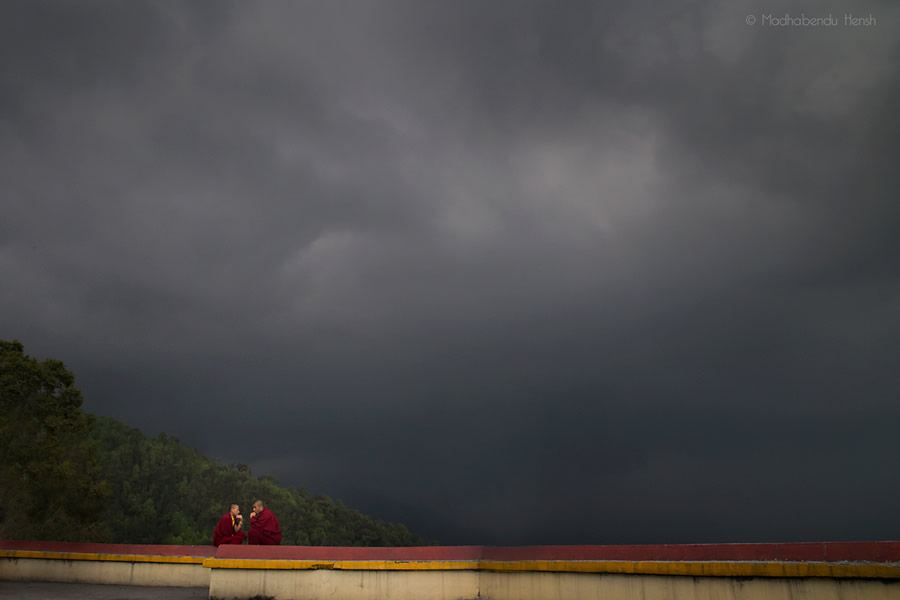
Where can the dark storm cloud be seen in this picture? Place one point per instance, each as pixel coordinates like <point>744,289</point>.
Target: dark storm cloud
<point>507,272</point>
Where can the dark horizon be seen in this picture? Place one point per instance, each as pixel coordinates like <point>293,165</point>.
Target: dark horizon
<point>505,272</point>
<point>420,520</point>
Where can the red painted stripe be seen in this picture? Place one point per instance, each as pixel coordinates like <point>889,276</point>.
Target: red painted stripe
<point>343,553</point>
<point>875,552</point>
<point>140,549</point>
<point>801,552</point>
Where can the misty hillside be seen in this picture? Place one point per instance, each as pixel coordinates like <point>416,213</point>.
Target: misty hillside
<point>162,492</point>
<point>67,475</point>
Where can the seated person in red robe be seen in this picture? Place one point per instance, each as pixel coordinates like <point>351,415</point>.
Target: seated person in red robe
<point>264,527</point>
<point>228,531</point>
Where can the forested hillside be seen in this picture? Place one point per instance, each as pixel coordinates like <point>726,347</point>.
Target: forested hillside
<point>164,492</point>
<point>51,486</point>
<point>66,475</point>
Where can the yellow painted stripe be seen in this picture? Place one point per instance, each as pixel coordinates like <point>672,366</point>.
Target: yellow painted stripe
<point>705,568</point>
<point>687,568</point>
<point>197,560</point>
<point>696,569</point>
<point>347,565</point>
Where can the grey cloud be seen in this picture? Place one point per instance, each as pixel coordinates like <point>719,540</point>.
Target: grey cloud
<point>496,270</point>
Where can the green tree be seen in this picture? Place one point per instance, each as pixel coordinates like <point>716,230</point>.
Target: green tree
<point>50,484</point>
<point>69,476</point>
<point>162,492</point>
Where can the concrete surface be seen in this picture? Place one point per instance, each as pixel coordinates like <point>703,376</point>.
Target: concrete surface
<point>92,591</point>
<point>565,586</point>
<point>327,584</point>
<point>108,572</point>
<point>809,571</point>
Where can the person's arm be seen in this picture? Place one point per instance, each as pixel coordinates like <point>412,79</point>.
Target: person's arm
<point>268,523</point>
<point>238,523</point>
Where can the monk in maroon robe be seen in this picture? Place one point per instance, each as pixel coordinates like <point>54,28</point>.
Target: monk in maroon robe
<point>228,531</point>
<point>264,527</point>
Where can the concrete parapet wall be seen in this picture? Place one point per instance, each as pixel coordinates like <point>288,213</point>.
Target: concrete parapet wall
<point>344,585</point>
<point>153,565</point>
<point>852,571</point>
<point>463,584</point>
<point>571,586</point>
<point>844,571</point>
<point>111,572</point>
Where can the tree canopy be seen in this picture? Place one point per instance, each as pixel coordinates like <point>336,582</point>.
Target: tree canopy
<point>66,475</point>
<point>51,486</point>
<point>163,492</point>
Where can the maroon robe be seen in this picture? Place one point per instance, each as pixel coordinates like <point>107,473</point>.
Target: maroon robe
<point>225,533</point>
<point>264,529</point>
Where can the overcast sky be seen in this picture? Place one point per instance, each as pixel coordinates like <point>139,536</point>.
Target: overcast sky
<point>507,272</point>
